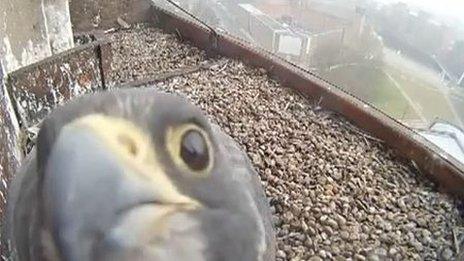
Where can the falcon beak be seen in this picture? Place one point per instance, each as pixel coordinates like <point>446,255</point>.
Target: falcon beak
<point>105,188</point>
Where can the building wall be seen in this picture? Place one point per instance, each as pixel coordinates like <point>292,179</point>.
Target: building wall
<point>262,33</point>
<point>33,30</point>
<point>305,15</point>
<point>60,30</point>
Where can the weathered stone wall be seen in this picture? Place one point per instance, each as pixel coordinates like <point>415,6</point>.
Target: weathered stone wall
<point>37,89</point>
<point>59,25</point>
<point>33,30</point>
<point>10,153</point>
<point>30,31</point>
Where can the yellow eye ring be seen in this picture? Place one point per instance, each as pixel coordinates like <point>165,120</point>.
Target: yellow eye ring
<point>190,148</point>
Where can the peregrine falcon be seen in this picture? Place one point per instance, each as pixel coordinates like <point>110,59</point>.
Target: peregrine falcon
<point>136,174</point>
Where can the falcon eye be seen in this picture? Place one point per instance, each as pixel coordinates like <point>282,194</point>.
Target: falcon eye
<point>190,149</point>
<point>194,150</point>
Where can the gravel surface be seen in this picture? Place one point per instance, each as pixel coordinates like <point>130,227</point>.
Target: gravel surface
<point>336,193</point>
<point>148,52</point>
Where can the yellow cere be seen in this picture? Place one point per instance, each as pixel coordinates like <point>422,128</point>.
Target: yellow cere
<point>135,150</point>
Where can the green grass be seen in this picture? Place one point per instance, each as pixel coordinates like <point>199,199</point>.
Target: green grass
<point>429,97</point>
<point>457,98</point>
<point>373,86</point>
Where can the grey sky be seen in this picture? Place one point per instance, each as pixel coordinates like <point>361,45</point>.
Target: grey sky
<point>449,8</point>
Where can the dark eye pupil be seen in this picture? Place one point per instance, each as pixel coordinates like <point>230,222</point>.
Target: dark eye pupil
<point>194,150</point>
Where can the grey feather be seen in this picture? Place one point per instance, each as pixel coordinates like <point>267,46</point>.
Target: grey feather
<point>250,178</point>
<point>245,208</point>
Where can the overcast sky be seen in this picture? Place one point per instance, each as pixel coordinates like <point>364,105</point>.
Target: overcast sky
<point>453,8</point>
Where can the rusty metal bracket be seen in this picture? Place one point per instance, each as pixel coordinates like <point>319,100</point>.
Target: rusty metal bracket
<point>214,44</point>
<point>105,55</point>
<point>38,88</point>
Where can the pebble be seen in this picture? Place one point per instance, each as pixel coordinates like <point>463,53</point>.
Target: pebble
<point>281,254</point>
<point>392,252</point>
<point>447,254</point>
<point>345,235</point>
<point>335,190</point>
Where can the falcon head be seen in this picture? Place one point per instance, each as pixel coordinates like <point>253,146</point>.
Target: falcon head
<point>140,175</point>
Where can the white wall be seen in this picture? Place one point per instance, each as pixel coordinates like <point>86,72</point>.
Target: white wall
<point>33,30</point>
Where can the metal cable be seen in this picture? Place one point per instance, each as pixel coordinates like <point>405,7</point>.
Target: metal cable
<point>192,16</point>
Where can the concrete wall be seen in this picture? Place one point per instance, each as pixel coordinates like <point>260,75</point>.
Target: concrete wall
<point>10,152</point>
<point>33,30</point>
<point>59,25</point>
